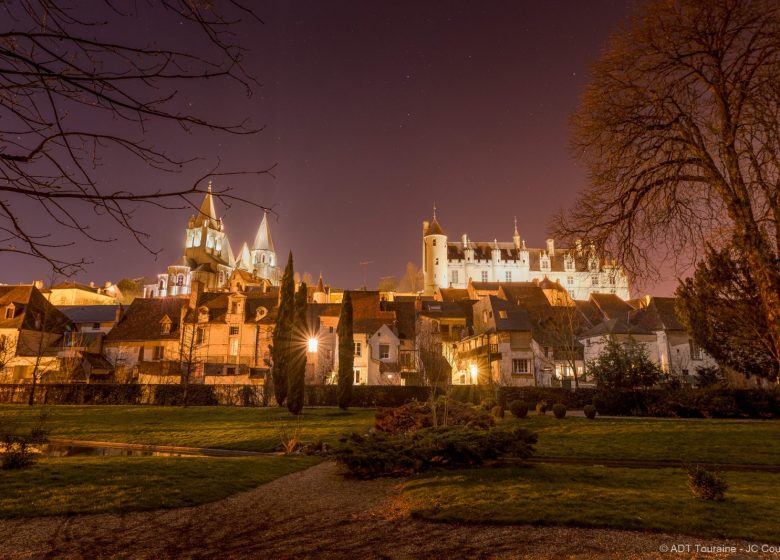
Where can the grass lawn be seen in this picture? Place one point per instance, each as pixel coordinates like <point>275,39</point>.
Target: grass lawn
<point>724,441</point>
<point>250,429</point>
<point>647,500</point>
<point>113,484</point>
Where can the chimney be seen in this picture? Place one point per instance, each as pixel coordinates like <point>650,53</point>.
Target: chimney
<point>551,247</point>
<point>38,284</point>
<point>119,313</point>
<point>196,289</point>
<point>425,227</point>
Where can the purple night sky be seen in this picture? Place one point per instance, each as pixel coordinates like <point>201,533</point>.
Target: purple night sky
<point>373,112</point>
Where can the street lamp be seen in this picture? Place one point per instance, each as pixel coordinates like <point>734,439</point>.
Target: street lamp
<point>474,371</point>
<point>313,345</point>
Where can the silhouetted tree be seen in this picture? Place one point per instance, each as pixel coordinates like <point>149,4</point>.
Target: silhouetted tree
<point>283,333</point>
<point>346,353</point>
<point>680,131</point>
<point>296,378</point>
<point>78,92</point>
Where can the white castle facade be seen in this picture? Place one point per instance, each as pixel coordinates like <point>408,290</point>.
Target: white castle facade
<point>209,259</point>
<point>452,264</point>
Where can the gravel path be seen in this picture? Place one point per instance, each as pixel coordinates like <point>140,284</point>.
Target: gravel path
<point>318,514</point>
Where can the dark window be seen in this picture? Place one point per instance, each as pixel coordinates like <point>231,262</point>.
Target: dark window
<point>234,305</point>
<point>9,312</point>
<point>384,351</point>
<point>158,353</point>
<point>200,334</point>
<point>233,331</point>
<point>95,326</point>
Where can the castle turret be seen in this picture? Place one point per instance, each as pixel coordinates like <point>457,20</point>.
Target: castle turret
<point>320,295</point>
<point>434,256</point>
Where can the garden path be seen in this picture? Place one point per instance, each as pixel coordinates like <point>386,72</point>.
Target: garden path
<point>314,513</point>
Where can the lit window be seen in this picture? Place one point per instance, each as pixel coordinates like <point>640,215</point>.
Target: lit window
<point>358,350</point>
<point>234,347</point>
<point>519,366</point>
<point>234,307</point>
<point>209,241</point>
<point>502,314</point>
<point>166,327</point>
<point>384,351</point>
<point>180,280</point>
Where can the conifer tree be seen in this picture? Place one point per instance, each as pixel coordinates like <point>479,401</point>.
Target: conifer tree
<point>282,337</point>
<point>296,376</point>
<point>346,353</point>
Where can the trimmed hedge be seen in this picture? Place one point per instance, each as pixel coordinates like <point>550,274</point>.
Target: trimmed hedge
<point>668,402</point>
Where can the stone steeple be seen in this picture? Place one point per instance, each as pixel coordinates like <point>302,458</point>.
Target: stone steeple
<point>263,239</point>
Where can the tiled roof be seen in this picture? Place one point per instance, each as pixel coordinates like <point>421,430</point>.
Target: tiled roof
<point>453,294</point>
<point>483,251</point>
<point>90,313</point>
<point>142,319</point>
<point>30,307</point>
<point>367,315</point>
<point>659,315</point>
<point>614,326</point>
<point>611,306</point>
<point>218,302</point>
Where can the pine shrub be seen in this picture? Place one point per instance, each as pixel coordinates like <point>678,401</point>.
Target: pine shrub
<point>706,484</point>
<point>380,454</point>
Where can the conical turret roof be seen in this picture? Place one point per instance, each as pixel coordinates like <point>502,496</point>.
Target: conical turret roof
<point>434,228</point>
<point>207,214</point>
<point>320,287</point>
<point>244,259</point>
<point>263,239</point>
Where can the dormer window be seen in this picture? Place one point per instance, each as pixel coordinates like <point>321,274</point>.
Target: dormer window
<point>234,307</point>
<point>544,263</point>
<point>196,238</point>
<point>165,325</point>
<point>203,315</point>
<point>569,264</point>
<point>593,264</point>
<point>260,312</point>
<point>10,311</point>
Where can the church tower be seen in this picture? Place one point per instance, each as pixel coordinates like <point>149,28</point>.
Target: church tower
<point>263,253</point>
<point>207,251</point>
<point>434,256</point>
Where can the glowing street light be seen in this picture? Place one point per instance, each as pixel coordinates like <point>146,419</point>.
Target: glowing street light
<point>473,370</point>
<point>313,345</point>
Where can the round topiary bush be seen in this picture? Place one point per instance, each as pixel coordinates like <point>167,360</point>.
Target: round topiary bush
<point>590,411</point>
<point>559,410</point>
<point>518,409</point>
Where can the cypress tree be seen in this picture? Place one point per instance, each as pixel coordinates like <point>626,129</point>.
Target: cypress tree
<point>282,337</point>
<point>297,373</point>
<point>346,353</point>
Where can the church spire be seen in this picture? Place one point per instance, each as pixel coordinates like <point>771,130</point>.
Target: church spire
<point>516,236</point>
<point>263,239</point>
<point>207,214</point>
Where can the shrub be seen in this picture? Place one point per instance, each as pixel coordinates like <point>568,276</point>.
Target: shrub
<point>541,408</point>
<point>15,449</point>
<point>518,409</point>
<point>418,415</point>
<point>706,484</point>
<point>590,411</point>
<point>380,454</point>
<point>559,410</point>
<point>497,411</point>
<point>487,404</point>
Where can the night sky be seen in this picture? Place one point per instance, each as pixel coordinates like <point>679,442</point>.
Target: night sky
<point>373,112</point>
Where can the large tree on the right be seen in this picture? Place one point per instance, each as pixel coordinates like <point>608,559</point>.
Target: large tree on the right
<point>680,131</point>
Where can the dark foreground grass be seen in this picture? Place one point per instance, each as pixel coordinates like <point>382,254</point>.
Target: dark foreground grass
<point>249,429</point>
<point>119,484</point>
<point>705,440</point>
<point>638,499</point>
